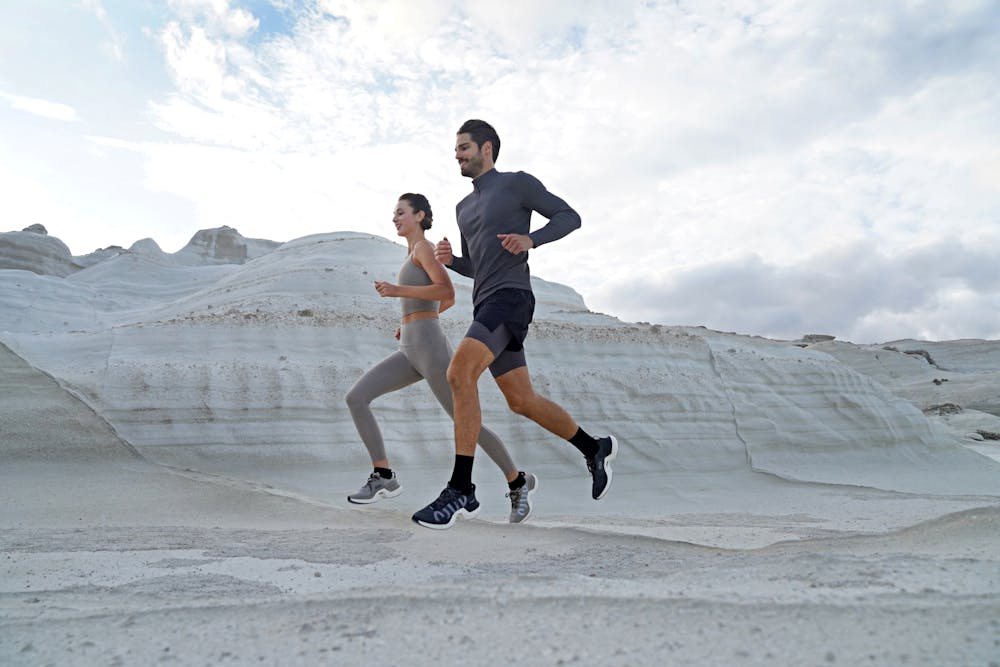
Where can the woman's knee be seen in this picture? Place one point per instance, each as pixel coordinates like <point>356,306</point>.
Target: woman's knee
<point>356,399</point>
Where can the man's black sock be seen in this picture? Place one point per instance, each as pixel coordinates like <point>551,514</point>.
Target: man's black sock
<point>517,483</point>
<point>384,473</point>
<point>461,476</point>
<point>587,444</point>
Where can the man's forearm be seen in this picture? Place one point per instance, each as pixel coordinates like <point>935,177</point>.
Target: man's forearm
<point>562,223</point>
<point>562,218</point>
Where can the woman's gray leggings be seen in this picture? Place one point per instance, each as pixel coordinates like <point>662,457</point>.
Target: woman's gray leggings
<point>424,354</point>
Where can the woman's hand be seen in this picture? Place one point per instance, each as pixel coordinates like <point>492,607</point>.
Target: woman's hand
<point>386,289</point>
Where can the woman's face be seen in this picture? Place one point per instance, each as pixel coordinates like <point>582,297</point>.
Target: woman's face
<point>405,219</point>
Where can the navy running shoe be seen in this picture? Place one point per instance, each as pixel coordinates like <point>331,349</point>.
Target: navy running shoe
<point>441,513</point>
<point>599,465</point>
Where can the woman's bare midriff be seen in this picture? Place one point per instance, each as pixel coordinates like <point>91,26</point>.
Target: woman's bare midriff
<point>419,315</point>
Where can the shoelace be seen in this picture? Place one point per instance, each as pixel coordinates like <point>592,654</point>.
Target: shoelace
<point>446,497</point>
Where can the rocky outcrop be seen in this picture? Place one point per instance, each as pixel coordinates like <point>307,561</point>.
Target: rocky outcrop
<point>100,255</point>
<point>223,245</point>
<point>74,432</point>
<point>34,250</point>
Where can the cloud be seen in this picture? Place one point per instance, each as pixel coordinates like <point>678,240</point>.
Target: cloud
<point>41,108</point>
<point>217,16</point>
<point>857,292</point>
<point>115,44</point>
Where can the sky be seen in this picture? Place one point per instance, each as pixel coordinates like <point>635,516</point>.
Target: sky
<point>767,167</point>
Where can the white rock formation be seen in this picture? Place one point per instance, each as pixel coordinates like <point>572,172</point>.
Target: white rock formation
<point>197,358</point>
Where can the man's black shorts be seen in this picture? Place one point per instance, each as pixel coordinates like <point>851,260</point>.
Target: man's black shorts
<point>501,323</point>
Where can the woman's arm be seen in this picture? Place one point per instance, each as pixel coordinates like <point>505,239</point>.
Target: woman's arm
<point>446,304</point>
<point>440,288</point>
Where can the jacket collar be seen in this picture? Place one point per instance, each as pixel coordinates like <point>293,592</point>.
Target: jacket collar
<point>484,179</point>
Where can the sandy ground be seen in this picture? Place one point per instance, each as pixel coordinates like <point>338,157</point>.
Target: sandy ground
<point>165,566</point>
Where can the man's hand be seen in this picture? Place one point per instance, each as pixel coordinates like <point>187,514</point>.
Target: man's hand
<point>386,289</point>
<point>442,252</point>
<point>515,244</point>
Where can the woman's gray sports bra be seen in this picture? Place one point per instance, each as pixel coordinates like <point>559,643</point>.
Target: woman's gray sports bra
<point>412,275</point>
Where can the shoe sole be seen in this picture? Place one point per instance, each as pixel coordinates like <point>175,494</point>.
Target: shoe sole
<point>531,507</point>
<point>451,522</point>
<point>381,493</point>
<point>607,468</point>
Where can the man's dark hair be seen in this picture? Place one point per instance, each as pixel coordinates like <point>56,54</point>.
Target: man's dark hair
<point>419,203</point>
<point>481,132</point>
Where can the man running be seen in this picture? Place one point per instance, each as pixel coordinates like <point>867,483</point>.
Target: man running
<point>495,225</point>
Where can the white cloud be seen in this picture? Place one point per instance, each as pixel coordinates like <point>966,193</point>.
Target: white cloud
<point>41,108</point>
<point>855,291</point>
<point>218,16</point>
<point>115,44</point>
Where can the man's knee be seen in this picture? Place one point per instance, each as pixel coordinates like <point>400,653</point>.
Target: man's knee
<point>469,362</point>
<point>460,374</point>
<point>520,403</point>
